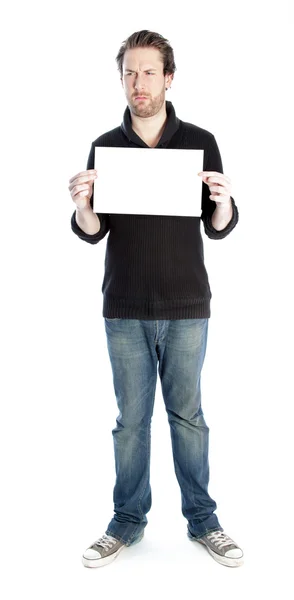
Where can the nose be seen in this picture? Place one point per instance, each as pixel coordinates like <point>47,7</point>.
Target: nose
<point>139,85</point>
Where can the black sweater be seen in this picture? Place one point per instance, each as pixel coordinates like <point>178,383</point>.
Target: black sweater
<point>154,265</point>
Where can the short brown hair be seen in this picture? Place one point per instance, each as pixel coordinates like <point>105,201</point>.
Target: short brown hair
<point>143,39</point>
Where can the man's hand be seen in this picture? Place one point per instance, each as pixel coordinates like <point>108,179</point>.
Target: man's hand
<point>81,188</point>
<point>221,193</point>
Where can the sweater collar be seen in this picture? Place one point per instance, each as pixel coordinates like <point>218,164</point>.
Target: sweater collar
<point>171,126</point>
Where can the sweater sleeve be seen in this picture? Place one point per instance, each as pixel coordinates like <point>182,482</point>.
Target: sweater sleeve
<point>103,217</point>
<point>213,162</point>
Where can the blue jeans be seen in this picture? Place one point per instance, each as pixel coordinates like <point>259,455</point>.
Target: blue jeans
<point>135,346</point>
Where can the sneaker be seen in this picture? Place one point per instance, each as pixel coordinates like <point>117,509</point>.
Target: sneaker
<point>221,547</point>
<point>104,550</point>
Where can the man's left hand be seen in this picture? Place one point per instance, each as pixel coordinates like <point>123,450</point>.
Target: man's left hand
<point>219,186</point>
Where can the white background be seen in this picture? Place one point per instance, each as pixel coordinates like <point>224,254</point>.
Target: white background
<point>61,90</point>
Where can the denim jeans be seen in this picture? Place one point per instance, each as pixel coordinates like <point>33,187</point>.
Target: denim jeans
<point>135,346</point>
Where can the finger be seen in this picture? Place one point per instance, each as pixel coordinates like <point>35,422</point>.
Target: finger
<point>84,174</point>
<point>218,188</point>
<point>218,192</point>
<point>78,180</point>
<point>219,180</point>
<point>214,173</point>
<point>77,189</point>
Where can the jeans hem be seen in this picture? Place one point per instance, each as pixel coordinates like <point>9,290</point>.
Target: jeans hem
<point>130,539</point>
<point>197,537</point>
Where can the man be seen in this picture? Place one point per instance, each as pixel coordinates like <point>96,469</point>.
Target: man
<point>156,307</point>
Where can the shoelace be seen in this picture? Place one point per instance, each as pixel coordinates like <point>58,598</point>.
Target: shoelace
<point>220,539</point>
<point>106,541</point>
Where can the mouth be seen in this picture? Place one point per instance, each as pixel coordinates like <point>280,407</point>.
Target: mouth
<point>140,98</point>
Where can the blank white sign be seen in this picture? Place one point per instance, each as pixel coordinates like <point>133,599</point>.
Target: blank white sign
<point>148,181</point>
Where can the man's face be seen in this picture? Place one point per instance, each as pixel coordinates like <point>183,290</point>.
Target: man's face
<point>143,76</point>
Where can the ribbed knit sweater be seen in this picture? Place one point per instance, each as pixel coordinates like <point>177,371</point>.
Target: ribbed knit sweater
<point>154,265</point>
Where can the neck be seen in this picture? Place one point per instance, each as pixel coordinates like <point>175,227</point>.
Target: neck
<point>150,128</point>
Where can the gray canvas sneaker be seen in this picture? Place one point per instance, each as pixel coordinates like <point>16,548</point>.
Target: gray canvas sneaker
<point>221,547</point>
<point>104,550</point>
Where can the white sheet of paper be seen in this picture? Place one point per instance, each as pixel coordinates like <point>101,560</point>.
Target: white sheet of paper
<point>148,181</point>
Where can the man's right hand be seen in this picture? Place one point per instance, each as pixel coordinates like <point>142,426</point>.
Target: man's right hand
<point>81,188</point>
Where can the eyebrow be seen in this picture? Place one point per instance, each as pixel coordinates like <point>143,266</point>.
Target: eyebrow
<point>130,70</point>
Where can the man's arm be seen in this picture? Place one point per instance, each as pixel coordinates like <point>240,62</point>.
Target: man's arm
<point>218,221</point>
<point>88,221</point>
<point>221,216</point>
<point>89,226</point>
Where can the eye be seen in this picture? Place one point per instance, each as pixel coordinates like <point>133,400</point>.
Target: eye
<point>149,73</point>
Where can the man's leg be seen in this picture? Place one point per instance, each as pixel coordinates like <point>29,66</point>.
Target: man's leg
<point>181,351</point>
<point>134,365</point>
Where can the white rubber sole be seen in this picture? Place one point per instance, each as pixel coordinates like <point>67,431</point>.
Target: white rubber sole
<point>227,562</point>
<point>101,562</point>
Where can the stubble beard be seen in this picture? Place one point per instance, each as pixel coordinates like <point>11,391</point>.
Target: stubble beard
<point>149,107</point>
